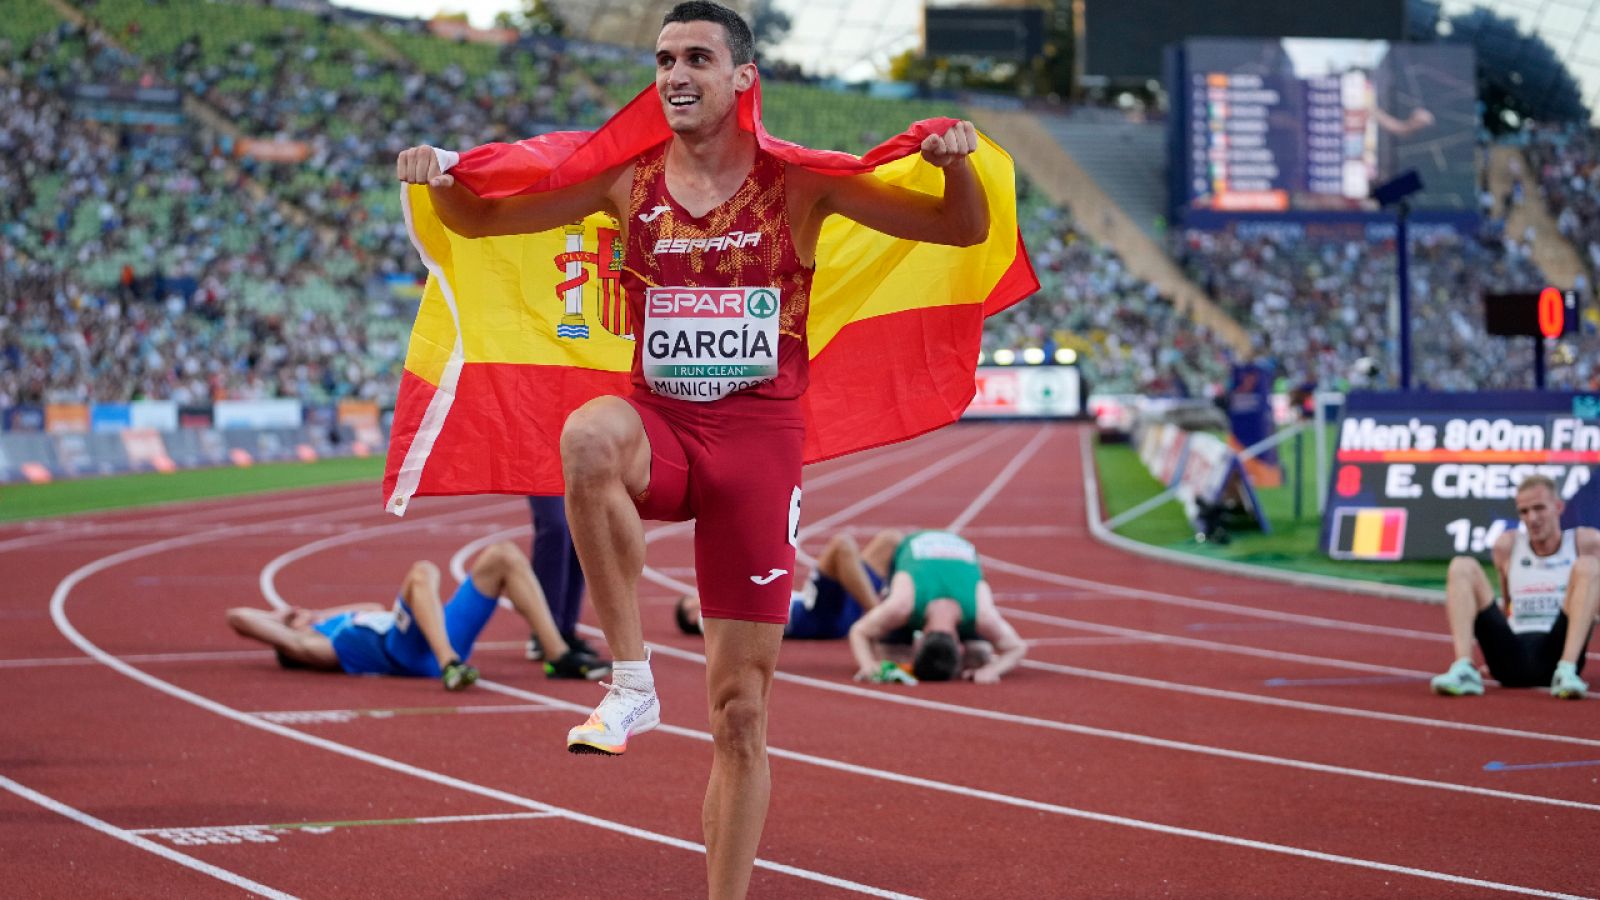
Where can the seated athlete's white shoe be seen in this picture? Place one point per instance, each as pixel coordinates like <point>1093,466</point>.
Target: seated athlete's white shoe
<point>630,707</point>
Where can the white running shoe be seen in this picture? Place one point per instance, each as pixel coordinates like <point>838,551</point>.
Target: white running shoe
<point>626,711</point>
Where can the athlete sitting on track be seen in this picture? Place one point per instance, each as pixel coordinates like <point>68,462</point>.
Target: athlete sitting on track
<point>1550,579</point>
<point>844,583</point>
<point>936,587</point>
<point>418,636</point>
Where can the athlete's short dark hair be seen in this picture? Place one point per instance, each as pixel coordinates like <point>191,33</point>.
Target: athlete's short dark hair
<point>680,614</point>
<point>741,44</point>
<point>939,657</point>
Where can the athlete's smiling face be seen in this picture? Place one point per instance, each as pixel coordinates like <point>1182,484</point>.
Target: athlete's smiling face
<point>696,76</point>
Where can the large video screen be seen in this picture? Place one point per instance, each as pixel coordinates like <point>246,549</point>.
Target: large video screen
<point>1316,124</point>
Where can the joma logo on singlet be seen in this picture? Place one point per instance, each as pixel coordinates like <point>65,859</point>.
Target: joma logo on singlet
<point>695,304</point>
<point>729,241</point>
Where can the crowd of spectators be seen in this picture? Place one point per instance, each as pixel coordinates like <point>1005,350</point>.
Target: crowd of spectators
<point>1319,305</point>
<point>137,262</point>
<point>1566,161</point>
<point>1127,336</point>
<point>172,262</point>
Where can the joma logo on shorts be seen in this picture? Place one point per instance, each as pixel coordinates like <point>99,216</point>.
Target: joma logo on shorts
<point>695,303</point>
<point>729,241</point>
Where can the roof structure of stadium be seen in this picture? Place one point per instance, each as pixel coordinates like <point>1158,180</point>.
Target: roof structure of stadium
<point>631,23</point>
<point>845,38</point>
<point>1570,27</point>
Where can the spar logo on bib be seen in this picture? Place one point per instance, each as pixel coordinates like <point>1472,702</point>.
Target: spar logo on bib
<point>763,304</point>
<point>706,343</point>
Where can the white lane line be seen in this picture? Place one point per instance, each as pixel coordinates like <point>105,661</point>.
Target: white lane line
<point>1142,739</point>
<point>197,835</point>
<point>1157,637</point>
<point>1210,605</point>
<point>121,834</point>
<point>270,571</point>
<point>933,470</point>
<point>341,716</point>
<point>198,656</point>
<point>1285,703</point>
<point>458,560</point>
<point>1000,481</point>
<point>58,615</point>
<point>71,527</point>
<point>1083,642</point>
<point>215,656</point>
<point>1071,812</point>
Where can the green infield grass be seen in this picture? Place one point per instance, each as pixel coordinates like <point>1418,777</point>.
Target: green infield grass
<point>58,498</point>
<point>1292,543</point>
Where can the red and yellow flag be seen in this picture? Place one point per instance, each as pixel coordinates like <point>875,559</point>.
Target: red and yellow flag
<point>516,332</point>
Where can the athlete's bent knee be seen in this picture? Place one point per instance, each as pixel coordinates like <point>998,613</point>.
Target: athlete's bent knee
<point>422,573</point>
<point>738,728</point>
<point>1465,567</point>
<point>594,440</point>
<point>498,559</point>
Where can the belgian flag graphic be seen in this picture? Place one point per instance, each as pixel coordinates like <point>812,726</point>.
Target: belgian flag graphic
<point>1368,533</point>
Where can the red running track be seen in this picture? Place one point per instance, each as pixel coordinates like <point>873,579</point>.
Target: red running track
<point>1173,731</point>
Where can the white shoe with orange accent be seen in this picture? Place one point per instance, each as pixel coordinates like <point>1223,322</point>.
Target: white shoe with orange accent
<point>627,710</point>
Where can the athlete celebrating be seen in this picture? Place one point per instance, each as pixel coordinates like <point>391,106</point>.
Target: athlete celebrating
<point>720,240</point>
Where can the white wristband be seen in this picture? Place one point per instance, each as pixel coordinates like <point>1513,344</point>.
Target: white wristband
<point>446,158</point>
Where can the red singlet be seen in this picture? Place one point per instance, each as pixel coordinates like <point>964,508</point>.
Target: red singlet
<point>721,359</point>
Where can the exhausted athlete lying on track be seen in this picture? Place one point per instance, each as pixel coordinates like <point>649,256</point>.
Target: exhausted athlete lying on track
<point>419,636</point>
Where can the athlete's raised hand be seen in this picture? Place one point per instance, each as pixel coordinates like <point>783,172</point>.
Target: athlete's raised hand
<point>420,165</point>
<point>951,147</point>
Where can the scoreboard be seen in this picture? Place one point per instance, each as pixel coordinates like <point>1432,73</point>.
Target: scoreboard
<point>1304,124</point>
<point>1424,477</point>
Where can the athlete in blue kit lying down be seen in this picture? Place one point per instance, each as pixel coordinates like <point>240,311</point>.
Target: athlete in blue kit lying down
<point>419,636</point>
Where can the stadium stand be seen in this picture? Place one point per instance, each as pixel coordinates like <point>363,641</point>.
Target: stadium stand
<point>202,242</point>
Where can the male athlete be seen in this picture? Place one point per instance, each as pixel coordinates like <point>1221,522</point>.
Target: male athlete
<point>1550,584</point>
<point>845,582</point>
<point>939,606</point>
<point>720,241</point>
<point>418,636</point>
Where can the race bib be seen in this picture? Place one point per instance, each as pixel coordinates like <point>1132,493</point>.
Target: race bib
<point>703,344</point>
<point>375,620</point>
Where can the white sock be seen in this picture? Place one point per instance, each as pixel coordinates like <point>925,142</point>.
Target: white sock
<point>634,673</point>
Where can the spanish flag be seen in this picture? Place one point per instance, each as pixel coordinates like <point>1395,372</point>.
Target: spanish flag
<point>516,332</point>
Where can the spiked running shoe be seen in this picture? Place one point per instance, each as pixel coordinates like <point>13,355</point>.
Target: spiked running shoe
<point>625,712</point>
<point>533,651</point>
<point>1566,684</point>
<point>1460,680</point>
<point>579,665</point>
<point>458,676</point>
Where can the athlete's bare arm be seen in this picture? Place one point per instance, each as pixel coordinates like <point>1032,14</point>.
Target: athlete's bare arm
<point>892,613</point>
<point>472,216</point>
<point>1588,541</point>
<point>959,218</point>
<point>1501,554</point>
<point>302,645</point>
<point>992,627</point>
